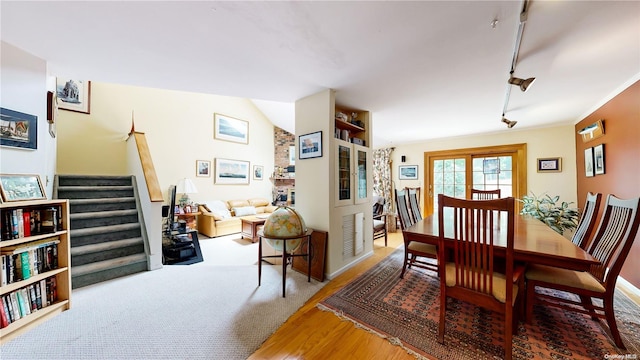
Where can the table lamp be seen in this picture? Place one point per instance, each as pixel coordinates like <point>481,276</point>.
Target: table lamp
<point>185,187</point>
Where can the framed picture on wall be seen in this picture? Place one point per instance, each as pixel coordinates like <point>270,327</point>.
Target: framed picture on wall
<point>588,162</point>
<point>203,168</point>
<point>18,129</point>
<point>310,145</point>
<point>550,165</point>
<point>230,129</point>
<point>408,172</point>
<point>15,187</point>
<point>73,95</point>
<point>231,172</point>
<point>598,159</point>
<point>258,172</point>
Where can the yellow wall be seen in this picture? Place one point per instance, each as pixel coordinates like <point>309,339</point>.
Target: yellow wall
<point>179,130</point>
<point>556,141</point>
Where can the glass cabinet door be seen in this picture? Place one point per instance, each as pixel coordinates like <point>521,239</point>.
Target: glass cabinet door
<point>361,175</point>
<point>344,173</point>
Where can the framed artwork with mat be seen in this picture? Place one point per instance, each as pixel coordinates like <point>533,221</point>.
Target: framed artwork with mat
<point>317,252</point>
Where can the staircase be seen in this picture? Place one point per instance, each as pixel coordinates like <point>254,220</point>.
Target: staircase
<point>106,233</point>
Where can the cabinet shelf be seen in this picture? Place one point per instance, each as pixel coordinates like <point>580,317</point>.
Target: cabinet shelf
<point>343,125</point>
<point>27,239</point>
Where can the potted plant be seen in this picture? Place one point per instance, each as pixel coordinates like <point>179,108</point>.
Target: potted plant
<point>559,217</point>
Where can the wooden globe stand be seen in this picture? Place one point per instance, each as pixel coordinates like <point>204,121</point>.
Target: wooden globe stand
<point>287,257</point>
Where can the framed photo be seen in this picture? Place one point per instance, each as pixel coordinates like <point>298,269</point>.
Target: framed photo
<point>258,172</point>
<point>231,172</point>
<point>21,187</point>
<point>230,129</point>
<point>18,129</point>
<point>598,159</point>
<point>588,162</point>
<point>550,165</point>
<point>203,168</point>
<point>73,95</point>
<point>408,172</point>
<point>310,145</point>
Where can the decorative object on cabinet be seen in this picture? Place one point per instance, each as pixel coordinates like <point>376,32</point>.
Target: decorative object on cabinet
<point>231,129</point>
<point>49,279</point>
<point>317,250</point>
<point>592,131</point>
<point>15,187</point>
<point>203,168</point>
<point>588,162</point>
<point>550,164</point>
<point>18,129</point>
<point>310,145</point>
<point>231,172</point>
<point>74,95</point>
<point>408,172</point>
<point>258,172</point>
<point>598,159</point>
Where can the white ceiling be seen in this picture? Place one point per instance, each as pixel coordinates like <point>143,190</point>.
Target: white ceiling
<point>426,69</point>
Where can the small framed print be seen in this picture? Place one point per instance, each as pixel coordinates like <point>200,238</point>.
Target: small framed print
<point>258,172</point>
<point>408,172</point>
<point>310,145</point>
<point>598,159</point>
<point>73,95</point>
<point>550,164</point>
<point>21,187</point>
<point>588,162</point>
<point>203,168</point>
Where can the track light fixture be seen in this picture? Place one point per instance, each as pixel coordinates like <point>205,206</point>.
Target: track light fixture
<point>522,83</point>
<point>509,123</point>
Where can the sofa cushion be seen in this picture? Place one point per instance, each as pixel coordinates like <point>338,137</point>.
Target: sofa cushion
<point>257,202</point>
<point>237,203</point>
<point>221,214</point>
<point>214,205</point>
<point>244,210</point>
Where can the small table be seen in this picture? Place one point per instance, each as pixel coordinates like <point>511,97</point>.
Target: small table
<point>250,227</point>
<point>191,219</point>
<point>287,257</point>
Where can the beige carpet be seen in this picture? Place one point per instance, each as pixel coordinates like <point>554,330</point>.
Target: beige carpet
<point>209,310</point>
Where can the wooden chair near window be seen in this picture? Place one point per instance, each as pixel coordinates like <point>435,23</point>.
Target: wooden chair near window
<point>468,274</point>
<point>477,194</point>
<point>611,244</point>
<point>379,219</point>
<point>587,220</point>
<point>414,251</point>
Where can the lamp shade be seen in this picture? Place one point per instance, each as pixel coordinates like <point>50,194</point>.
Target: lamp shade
<point>284,223</point>
<point>186,186</point>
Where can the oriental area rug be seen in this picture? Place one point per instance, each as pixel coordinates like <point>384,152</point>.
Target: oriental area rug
<point>406,311</point>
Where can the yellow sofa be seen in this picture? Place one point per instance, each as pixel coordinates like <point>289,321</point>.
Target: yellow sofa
<point>218,218</point>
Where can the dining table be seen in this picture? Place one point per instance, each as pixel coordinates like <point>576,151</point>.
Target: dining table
<point>534,241</point>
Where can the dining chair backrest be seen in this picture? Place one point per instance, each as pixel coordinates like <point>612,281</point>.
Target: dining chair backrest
<point>613,239</point>
<point>474,235</point>
<point>587,220</point>
<point>403,210</point>
<point>413,194</point>
<point>477,194</point>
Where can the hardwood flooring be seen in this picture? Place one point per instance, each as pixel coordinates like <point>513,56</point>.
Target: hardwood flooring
<point>311,333</point>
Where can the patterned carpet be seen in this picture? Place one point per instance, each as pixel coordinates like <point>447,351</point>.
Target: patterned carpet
<point>406,312</point>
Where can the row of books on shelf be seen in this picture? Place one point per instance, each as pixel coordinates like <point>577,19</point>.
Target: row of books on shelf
<point>22,261</point>
<point>19,223</point>
<point>26,300</point>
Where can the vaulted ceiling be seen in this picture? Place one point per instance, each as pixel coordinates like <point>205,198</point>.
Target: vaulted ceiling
<point>425,69</point>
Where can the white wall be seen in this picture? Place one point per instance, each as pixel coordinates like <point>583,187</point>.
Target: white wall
<point>541,143</point>
<point>24,89</point>
<point>179,130</point>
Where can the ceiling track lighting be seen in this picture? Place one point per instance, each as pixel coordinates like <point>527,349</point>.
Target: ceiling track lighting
<point>509,123</point>
<point>522,83</point>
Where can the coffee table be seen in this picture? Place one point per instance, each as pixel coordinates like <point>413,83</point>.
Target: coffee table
<point>250,227</point>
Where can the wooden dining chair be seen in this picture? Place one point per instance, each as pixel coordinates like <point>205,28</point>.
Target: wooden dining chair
<point>587,220</point>
<point>477,194</point>
<point>379,219</point>
<point>470,272</point>
<point>416,253</point>
<point>611,243</point>
<point>413,195</point>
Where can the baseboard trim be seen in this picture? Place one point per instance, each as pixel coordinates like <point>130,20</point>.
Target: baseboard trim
<point>628,289</point>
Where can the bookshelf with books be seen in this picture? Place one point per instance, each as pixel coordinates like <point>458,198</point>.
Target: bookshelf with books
<point>35,259</point>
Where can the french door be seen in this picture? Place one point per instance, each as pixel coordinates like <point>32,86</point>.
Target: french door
<point>456,172</point>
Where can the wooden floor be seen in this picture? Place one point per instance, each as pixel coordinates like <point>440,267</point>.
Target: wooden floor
<point>311,333</point>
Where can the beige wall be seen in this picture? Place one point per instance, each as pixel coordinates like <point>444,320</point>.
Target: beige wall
<point>543,142</point>
<point>179,130</point>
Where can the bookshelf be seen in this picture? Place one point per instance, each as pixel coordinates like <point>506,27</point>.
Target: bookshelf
<point>38,285</point>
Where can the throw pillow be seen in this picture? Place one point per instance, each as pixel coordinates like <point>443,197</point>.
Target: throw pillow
<point>244,211</point>
<point>221,214</point>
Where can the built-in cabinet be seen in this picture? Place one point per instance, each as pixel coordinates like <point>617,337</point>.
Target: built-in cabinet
<point>334,190</point>
<point>36,264</point>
